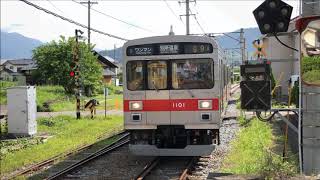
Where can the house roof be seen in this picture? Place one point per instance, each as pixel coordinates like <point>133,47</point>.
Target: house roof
<point>105,60</point>
<point>20,61</point>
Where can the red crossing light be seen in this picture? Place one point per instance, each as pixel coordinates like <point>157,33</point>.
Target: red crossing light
<point>72,73</point>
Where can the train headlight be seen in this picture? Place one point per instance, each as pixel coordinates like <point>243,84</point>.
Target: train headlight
<point>136,105</point>
<point>205,104</point>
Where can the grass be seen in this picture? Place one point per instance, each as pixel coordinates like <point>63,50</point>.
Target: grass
<point>51,94</point>
<point>3,90</point>
<point>60,101</point>
<point>68,133</point>
<point>113,101</point>
<point>251,153</point>
<point>312,76</point>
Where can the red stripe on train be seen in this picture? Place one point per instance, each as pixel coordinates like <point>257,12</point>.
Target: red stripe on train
<point>171,105</point>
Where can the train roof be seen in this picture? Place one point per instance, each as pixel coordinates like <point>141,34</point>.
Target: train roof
<point>171,38</point>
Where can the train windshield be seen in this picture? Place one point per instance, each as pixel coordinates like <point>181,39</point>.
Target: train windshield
<point>157,75</point>
<point>135,73</point>
<point>192,74</point>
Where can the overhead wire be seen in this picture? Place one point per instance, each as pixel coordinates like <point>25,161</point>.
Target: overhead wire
<point>117,19</point>
<point>171,10</point>
<point>72,21</point>
<point>54,6</point>
<point>197,22</point>
<point>195,17</point>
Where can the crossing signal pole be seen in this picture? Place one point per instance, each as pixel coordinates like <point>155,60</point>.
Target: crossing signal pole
<point>76,71</point>
<point>89,7</point>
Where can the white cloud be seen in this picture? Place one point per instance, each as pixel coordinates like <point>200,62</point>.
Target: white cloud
<point>214,16</point>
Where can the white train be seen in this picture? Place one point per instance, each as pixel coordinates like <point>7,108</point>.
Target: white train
<point>175,89</point>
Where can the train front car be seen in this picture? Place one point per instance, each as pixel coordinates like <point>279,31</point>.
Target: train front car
<point>172,92</point>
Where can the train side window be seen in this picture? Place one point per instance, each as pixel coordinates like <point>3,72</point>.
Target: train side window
<point>157,75</point>
<point>135,78</point>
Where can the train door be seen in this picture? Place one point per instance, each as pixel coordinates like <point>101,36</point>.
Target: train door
<point>157,93</point>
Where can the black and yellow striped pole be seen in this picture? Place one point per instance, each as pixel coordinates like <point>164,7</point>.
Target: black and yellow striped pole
<point>77,72</point>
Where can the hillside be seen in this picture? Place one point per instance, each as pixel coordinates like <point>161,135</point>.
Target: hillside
<point>250,35</point>
<point>225,42</point>
<point>15,45</point>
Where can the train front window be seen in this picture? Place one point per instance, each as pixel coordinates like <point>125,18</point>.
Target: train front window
<point>157,75</point>
<point>192,74</point>
<point>135,80</point>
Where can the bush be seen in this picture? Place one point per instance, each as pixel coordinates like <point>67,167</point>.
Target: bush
<point>44,108</point>
<point>312,76</point>
<point>310,63</point>
<point>311,69</point>
<point>112,89</point>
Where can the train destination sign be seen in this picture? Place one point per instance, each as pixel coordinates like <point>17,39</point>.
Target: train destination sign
<point>141,51</point>
<point>169,49</point>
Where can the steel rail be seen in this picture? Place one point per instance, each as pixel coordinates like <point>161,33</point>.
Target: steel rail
<point>124,139</point>
<point>184,174</point>
<point>147,169</point>
<point>52,160</point>
<point>234,88</point>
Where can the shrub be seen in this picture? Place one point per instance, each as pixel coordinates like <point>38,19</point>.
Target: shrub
<point>312,76</point>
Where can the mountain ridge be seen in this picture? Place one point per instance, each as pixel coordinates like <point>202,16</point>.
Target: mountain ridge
<point>225,42</point>
<point>15,45</point>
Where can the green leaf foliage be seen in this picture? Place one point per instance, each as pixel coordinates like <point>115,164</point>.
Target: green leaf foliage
<point>311,69</point>
<point>55,62</point>
<point>310,63</point>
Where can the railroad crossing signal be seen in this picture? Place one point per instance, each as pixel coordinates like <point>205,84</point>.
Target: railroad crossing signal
<point>255,86</point>
<point>273,16</point>
<point>260,49</point>
<point>72,73</point>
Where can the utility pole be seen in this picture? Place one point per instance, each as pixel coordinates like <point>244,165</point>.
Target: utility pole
<point>187,18</point>
<point>114,51</point>
<point>187,15</point>
<point>77,71</point>
<point>89,7</point>
<point>242,46</point>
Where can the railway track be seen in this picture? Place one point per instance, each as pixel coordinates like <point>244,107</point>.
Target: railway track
<point>124,139</point>
<point>51,161</point>
<point>234,88</point>
<point>168,167</point>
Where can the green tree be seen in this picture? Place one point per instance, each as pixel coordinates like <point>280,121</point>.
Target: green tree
<point>55,61</point>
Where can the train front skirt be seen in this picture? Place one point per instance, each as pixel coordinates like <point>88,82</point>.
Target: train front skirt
<point>189,150</point>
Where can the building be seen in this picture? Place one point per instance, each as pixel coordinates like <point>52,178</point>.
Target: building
<point>17,65</point>
<point>17,70</point>
<point>110,69</point>
<point>284,61</point>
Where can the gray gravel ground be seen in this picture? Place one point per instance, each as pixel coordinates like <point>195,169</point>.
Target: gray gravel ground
<point>228,131</point>
<point>116,165</point>
<point>169,168</point>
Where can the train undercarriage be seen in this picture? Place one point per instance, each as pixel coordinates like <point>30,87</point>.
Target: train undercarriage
<point>173,141</point>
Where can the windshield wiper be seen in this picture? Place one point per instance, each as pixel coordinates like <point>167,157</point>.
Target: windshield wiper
<point>154,85</point>
<point>191,93</point>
